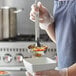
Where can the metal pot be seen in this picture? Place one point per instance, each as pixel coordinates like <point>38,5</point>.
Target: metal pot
<point>1,27</point>
<point>8,22</point>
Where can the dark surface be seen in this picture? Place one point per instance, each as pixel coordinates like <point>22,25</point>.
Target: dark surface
<point>43,37</point>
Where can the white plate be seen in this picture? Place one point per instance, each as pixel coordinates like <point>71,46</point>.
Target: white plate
<point>39,64</point>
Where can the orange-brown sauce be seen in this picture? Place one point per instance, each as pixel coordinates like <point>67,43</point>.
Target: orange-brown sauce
<point>3,72</point>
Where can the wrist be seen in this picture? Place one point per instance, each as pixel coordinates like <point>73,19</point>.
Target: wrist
<point>46,24</point>
<point>63,72</point>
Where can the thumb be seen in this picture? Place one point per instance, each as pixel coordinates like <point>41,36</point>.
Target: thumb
<point>41,7</point>
<point>39,4</point>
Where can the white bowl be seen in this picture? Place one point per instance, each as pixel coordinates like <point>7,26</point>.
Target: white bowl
<point>39,64</point>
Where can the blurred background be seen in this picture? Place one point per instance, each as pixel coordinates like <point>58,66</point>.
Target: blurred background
<point>24,25</point>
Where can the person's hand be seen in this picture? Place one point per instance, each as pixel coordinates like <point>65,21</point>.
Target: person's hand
<point>62,72</point>
<point>45,73</point>
<point>44,17</point>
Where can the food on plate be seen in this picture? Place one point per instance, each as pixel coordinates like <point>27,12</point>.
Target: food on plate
<point>37,55</point>
<point>3,73</point>
<point>37,51</point>
<point>36,48</point>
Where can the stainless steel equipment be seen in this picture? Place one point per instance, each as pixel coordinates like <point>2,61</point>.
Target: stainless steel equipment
<point>1,27</point>
<point>13,22</point>
<point>13,50</point>
<point>8,22</point>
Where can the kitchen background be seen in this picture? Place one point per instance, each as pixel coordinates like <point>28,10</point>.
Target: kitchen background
<point>24,25</point>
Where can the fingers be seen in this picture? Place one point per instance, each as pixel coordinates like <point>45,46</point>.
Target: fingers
<point>34,8</point>
<point>36,74</point>
<point>41,7</point>
<point>44,73</point>
<point>40,74</point>
<point>28,74</point>
<point>33,12</point>
<point>42,11</point>
<point>33,19</point>
<point>32,16</point>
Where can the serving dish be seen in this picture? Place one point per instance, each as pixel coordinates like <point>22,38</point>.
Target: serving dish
<point>37,51</point>
<point>39,64</point>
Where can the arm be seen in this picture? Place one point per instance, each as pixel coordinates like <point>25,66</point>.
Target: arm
<point>46,21</point>
<point>51,32</point>
<point>72,70</point>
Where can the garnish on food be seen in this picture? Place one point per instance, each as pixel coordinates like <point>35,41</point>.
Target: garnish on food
<point>37,51</point>
<point>36,48</point>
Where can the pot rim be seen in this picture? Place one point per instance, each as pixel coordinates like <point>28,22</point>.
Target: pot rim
<point>6,7</point>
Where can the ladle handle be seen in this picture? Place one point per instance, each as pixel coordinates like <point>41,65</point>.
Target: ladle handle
<point>37,29</point>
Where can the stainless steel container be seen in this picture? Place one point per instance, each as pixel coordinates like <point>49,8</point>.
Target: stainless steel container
<point>8,22</point>
<point>1,31</point>
<point>5,23</point>
<point>12,22</point>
